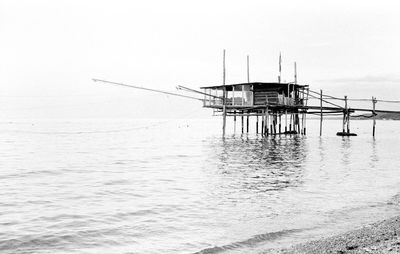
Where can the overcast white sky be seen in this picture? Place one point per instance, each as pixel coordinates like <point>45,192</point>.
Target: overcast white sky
<point>50,51</point>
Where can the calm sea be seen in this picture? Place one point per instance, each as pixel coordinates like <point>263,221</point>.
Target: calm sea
<point>175,186</point>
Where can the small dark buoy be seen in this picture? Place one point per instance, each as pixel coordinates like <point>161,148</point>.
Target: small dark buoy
<point>345,134</point>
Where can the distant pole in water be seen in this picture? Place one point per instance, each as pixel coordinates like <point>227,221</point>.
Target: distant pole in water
<point>320,123</point>
<point>295,73</point>
<point>374,114</point>
<point>224,97</point>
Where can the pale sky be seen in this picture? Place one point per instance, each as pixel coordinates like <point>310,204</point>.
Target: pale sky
<point>50,51</point>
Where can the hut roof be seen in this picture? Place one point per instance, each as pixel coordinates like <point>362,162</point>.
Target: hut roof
<point>257,84</point>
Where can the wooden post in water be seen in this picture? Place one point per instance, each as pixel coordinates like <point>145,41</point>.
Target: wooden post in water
<point>224,99</point>
<point>247,125</point>
<point>305,115</point>
<point>320,123</point>
<point>373,117</point>
<point>280,124</point>
<point>257,124</point>
<point>298,124</point>
<point>345,113</point>
<point>262,122</point>
<point>285,121</point>
<point>234,122</point>
<point>266,121</point>
<point>242,122</point>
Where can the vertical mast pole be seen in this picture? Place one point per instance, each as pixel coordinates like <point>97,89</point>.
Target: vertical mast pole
<point>280,68</point>
<point>248,81</point>
<point>224,97</point>
<point>248,69</point>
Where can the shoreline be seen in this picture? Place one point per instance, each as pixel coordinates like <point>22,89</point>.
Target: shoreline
<point>378,237</point>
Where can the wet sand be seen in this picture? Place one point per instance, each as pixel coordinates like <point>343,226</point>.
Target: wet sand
<point>379,237</point>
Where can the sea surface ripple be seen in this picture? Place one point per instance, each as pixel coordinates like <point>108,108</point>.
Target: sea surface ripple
<point>177,186</point>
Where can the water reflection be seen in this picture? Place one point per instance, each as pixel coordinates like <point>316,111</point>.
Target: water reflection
<point>259,164</point>
<point>345,150</point>
<point>374,154</point>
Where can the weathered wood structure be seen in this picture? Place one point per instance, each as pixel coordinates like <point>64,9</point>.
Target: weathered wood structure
<point>280,106</point>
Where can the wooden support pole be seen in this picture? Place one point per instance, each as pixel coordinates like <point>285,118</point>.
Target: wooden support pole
<point>234,122</point>
<point>247,127</point>
<point>233,95</point>
<point>280,124</point>
<point>373,117</point>
<point>285,120</point>
<point>272,122</point>
<point>320,123</point>
<point>262,123</point>
<point>224,119</point>
<point>257,124</point>
<point>348,121</point>
<point>242,122</point>
<point>224,99</point>
<point>344,114</point>
<point>305,117</point>
<point>266,121</point>
<point>298,124</point>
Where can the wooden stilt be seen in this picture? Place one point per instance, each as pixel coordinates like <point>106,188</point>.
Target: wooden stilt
<point>224,99</point>
<point>373,117</point>
<point>234,122</point>
<point>280,124</point>
<point>348,121</point>
<point>224,120</point>
<point>242,122</point>
<point>285,121</point>
<point>262,122</point>
<point>298,124</point>
<point>266,121</point>
<point>247,129</point>
<point>257,124</point>
<point>320,123</point>
<point>344,114</point>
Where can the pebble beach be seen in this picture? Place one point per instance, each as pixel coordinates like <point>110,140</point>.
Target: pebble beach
<point>379,237</point>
